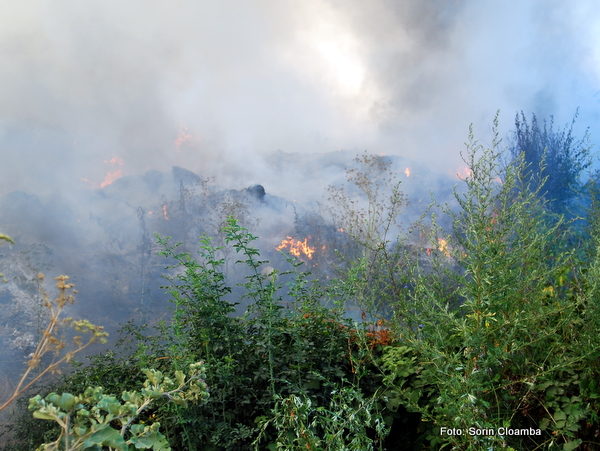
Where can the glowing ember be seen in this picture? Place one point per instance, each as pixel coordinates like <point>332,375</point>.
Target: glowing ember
<point>407,172</point>
<point>296,247</point>
<point>164,209</point>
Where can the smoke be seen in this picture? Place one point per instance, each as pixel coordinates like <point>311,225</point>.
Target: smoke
<point>84,82</point>
<point>106,107</point>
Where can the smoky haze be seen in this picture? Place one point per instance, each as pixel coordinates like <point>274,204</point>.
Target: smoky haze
<point>83,83</point>
<point>99,100</point>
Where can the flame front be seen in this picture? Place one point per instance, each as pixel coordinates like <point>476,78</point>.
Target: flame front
<point>165,214</point>
<point>296,247</point>
<point>407,172</point>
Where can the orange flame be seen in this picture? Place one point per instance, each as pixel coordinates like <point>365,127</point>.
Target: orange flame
<point>443,247</point>
<point>111,176</point>
<point>164,209</point>
<point>407,172</point>
<point>184,137</point>
<point>464,173</point>
<point>115,160</point>
<point>296,247</point>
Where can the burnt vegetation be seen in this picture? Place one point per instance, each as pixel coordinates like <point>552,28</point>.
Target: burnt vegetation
<point>482,314</point>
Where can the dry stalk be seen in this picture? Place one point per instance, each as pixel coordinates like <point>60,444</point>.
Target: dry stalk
<point>51,343</point>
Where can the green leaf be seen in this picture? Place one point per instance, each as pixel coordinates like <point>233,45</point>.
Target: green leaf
<point>107,436</point>
<point>43,415</point>
<point>569,446</point>
<point>137,429</point>
<point>393,404</point>
<point>6,238</point>
<point>66,401</point>
<point>153,440</point>
<point>560,415</point>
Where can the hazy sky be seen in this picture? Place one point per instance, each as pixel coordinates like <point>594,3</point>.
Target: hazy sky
<point>95,87</point>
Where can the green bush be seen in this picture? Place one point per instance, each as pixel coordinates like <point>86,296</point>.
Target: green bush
<point>254,361</point>
<point>94,419</point>
<point>501,330</point>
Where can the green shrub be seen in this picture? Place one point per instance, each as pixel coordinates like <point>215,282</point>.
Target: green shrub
<point>94,419</point>
<point>498,331</point>
<point>254,361</point>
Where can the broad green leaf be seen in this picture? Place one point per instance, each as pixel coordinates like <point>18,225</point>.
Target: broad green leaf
<point>152,440</point>
<point>560,415</point>
<point>570,446</point>
<point>66,401</point>
<point>107,436</point>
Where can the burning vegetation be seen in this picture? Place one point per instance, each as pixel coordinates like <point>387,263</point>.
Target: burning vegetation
<point>419,306</point>
<point>114,174</point>
<point>184,137</point>
<point>297,248</point>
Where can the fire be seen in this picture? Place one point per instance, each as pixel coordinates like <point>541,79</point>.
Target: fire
<point>464,173</point>
<point>184,137</point>
<point>164,209</point>
<point>111,176</point>
<point>297,248</point>
<point>443,247</point>
<point>407,172</point>
<point>115,160</point>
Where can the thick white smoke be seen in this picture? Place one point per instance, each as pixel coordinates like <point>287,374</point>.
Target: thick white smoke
<point>83,82</point>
